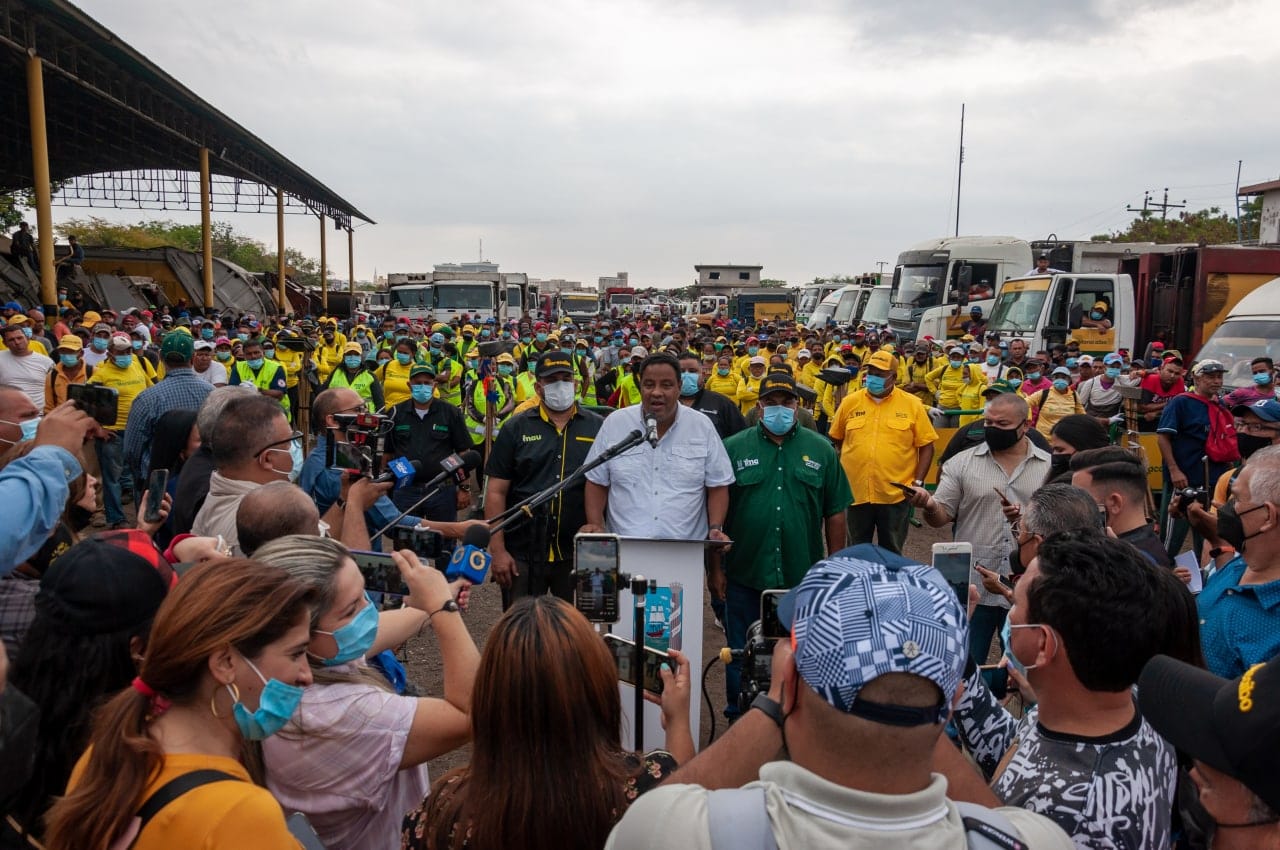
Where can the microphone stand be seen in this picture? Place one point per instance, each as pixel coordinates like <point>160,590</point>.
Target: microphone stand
<point>639,589</point>
<point>524,510</point>
<point>411,509</point>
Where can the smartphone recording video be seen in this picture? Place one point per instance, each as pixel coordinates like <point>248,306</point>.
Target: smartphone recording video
<point>380,573</point>
<point>595,577</point>
<point>623,652</point>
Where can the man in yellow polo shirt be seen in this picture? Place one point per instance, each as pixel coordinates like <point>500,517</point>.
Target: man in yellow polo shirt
<point>885,439</point>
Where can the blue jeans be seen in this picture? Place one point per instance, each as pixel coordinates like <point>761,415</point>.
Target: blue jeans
<point>111,460</point>
<point>742,608</point>
<point>987,622</point>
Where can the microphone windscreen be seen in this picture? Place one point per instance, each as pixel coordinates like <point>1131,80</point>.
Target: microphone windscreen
<point>477,535</point>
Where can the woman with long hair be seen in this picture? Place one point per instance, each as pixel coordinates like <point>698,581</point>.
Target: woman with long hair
<point>354,758</point>
<point>548,770</point>
<point>1069,435</point>
<point>175,439</point>
<point>225,664</point>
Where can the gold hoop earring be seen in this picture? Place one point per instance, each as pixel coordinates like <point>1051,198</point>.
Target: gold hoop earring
<point>213,700</point>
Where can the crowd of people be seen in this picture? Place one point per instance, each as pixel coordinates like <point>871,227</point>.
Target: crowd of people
<point>214,671</point>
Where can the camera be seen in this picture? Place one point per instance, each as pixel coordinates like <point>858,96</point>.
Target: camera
<point>757,650</point>
<point>1187,495</point>
<point>364,449</point>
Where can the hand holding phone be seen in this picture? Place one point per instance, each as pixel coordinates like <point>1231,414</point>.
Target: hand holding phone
<point>156,486</point>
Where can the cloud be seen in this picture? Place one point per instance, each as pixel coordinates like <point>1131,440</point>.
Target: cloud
<point>579,139</point>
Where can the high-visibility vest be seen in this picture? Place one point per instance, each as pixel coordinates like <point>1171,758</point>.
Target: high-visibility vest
<point>362,384</point>
<point>477,405</point>
<point>263,379</point>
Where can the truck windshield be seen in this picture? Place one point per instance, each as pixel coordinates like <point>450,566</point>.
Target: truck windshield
<point>1016,311</point>
<point>846,306</point>
<point>808,300</point>
<point>579,302</point>
<point>919,286</point>
<point>411,297</point>
<point>464,296</point>
<point>1237,342</point>
<point>877,309</point>
<point>514,304</point>
<point>622,298</point>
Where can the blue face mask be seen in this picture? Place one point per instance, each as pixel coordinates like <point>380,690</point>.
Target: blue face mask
<point>526,339</point>
<point>1113,372</point>
<point>122,360</point>
<point>137,344</point>
<point>355,639</point>
<point>69,360</point>
<point>616,343</point>
<point>1061,384</point>
<point>27,427</point>
<point>276,705</point>
<point>403,359</point>
<point>206,333</point>
<point>422,392</point>
<point>1095,315</point>
<point>352,361</point>
<point>955,364</point>
<point>1033,376</point>
<point>269,352</point>
<point>484,334</point>
<point>504,370</point>
<point>388,334</point>
<point>255,363</point>
<point>100,344</point>
<point>599,340</point>
<point>688,383</point>
<point>1014,382</point>
<point>1262,378</point>
<point>541,337</point>
<point>752,349</point>
<point>875,384</point>
<point>27,331</point>
<point>1071,362</point>
<point>1006,635</point>
<point>778,419</point>
<point>242,337</point>
<point>993,360</point>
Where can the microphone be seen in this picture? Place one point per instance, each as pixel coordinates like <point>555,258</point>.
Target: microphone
<point>651,429</point>
<point>401,471</point>
<point>470,560</point>
<point>456,466</point>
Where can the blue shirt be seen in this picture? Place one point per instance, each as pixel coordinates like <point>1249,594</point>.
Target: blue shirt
<point>324,486</point>
<point>1185,421</point>
<point>180,390</point>
<point>34,491</point>
<point>1239,623</point>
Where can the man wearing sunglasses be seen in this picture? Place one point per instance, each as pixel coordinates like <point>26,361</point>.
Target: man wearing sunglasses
<point>253,444</point>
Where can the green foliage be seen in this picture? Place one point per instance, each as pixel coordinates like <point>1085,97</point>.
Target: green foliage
<point>247,253</point>
<point>1209,226</point>
<point>770,282</point>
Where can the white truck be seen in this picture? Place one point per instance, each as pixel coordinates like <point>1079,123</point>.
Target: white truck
<point>578,306</point>
<point>852,304</point>
<point>442,296</point>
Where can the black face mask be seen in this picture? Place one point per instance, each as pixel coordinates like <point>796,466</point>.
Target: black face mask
<point>1059,463</point>
<point>1231,525</point>
<point>999,439</point>
<point>1248,443</point>
<point>79,517</point>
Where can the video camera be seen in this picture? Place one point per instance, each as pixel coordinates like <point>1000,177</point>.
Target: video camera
<point>1187,495</point>
<point>365,447</point>
<point>756,654</point>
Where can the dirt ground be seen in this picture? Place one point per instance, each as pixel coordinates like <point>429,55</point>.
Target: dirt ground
<point>486,606</point>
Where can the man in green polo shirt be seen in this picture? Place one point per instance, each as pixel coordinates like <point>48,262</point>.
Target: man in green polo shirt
<point>786,511</point>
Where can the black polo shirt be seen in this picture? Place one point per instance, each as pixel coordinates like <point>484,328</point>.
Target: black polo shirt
<point>531,454</point>
<point>722,412</point>
<point>429,438</point>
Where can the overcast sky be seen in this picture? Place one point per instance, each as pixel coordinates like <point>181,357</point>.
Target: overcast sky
<point>580,138</point>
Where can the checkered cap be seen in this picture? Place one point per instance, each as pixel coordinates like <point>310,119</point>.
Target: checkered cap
<point>865,612</point>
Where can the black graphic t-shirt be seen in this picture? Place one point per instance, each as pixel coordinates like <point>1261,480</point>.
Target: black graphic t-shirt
<point>1114,792</point>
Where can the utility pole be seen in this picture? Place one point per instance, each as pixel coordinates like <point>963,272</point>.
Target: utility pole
<point>1146,200</point>
<point>960,169</point>
<point>1164,206</point>
<point>1239,226</point>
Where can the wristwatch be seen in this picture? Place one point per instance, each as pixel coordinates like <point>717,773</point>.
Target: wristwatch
<point>769,706</point>
<point>919,482</point>
<point>450,606</point>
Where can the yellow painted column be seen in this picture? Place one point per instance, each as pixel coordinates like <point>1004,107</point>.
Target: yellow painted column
<point>351,264</point>
<point>282,295</point>
<point>324,269</point>
<point>43,185</point>
<point>206,230</point>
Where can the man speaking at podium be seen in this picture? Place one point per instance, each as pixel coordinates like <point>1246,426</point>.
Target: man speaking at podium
<point>675,484</point>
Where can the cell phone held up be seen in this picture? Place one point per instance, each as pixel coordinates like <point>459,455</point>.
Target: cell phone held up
<point>623,652</point>
<point>381,575</point>
<point>157,484</point>
<point>596,577</point>
<point>102,403</point>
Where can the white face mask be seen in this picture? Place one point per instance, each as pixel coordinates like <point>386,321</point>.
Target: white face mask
<point>558,396</point>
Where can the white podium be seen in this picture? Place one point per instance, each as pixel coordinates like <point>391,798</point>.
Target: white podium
<point>664,561</point>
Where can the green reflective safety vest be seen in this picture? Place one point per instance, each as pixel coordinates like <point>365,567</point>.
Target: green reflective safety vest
<point>453,395</point>
<point>361,384</point>
<point>477,405</point>
<point>263,380</point>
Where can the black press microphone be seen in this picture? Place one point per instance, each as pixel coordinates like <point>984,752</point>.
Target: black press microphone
<point>455,465</point>
<point>651,429</point>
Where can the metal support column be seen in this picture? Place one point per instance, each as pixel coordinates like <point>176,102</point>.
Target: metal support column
<point>324,269</point>
<point>282,295</point>
<point>43,186</point>
<point>206,233</point>
<point>351,264</point>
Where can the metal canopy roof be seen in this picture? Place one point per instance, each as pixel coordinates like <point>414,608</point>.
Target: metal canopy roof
<point>110,109</point>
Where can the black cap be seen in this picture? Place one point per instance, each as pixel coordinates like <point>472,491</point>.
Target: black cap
<point>775,382</point>
<point>99,587</point>
<point>552,362</point>
<point>1233,726</point>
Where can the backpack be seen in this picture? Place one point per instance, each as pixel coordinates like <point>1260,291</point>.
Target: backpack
<point>1220,445</point>
<point>738,820</point>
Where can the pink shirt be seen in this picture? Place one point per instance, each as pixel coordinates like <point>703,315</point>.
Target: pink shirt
<point>338,761</point>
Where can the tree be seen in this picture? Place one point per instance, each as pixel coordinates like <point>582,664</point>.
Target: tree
<point>12,205</point>
<point>1209,226</point>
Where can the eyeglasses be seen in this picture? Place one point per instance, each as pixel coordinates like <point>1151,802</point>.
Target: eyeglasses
<point>296,435</point>
<point>1254,427</point>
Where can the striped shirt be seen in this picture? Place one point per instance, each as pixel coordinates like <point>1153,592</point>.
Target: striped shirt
<point>967,490</point>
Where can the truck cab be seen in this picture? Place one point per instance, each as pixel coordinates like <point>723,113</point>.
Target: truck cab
<point>1046,310</point>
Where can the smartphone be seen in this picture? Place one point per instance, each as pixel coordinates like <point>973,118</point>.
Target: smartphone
<point>771,627</point>
<point>380,572</point>
<point>342,455</point>
<point>156,485</point>
<point>1102,518</point>
<point>596,576</point>
<point>1004,500</point>
<point>954,561</point>
<point>102,403</point>
<point>996,678</point>
<point>903,487</point>
<point>623,652</point>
